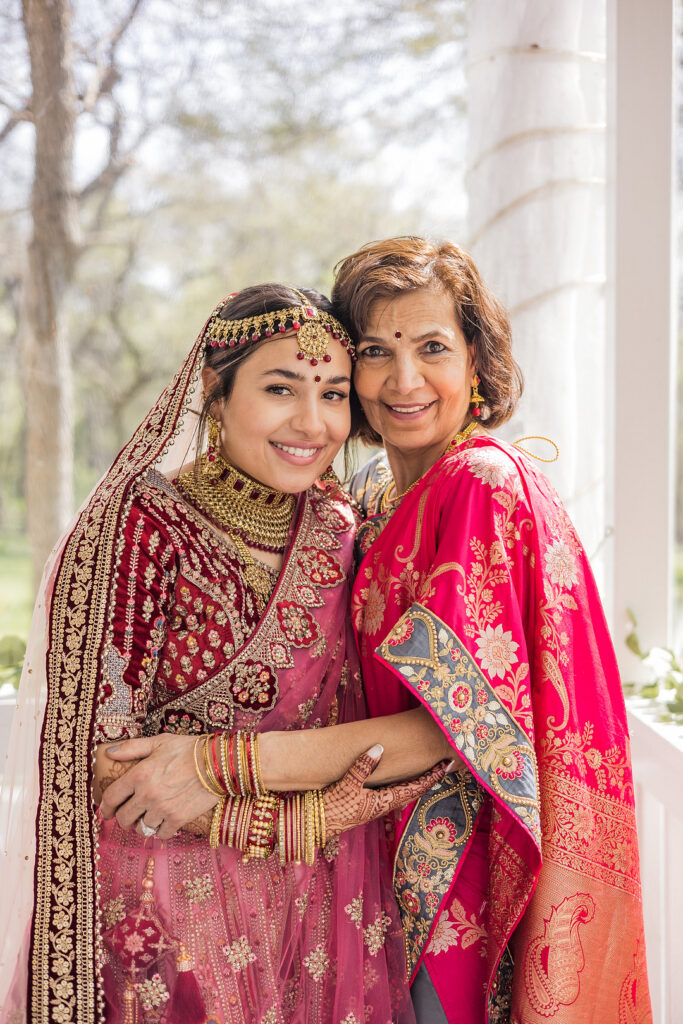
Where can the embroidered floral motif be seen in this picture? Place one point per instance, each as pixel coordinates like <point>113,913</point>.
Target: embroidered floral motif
<point>254,683</point>
<point>320,567</point>
<point>152,992</point>
<point>199,889</point>
<point>489,465</point>
<point>114,911</point>
<point>496,651</point>
<point>428,855</point>
<point>301,903</point>
<point>488,737</point>
<point>375,934</point>
<point>239,954</point>
<point>297,624</point>
<point>561,565</point>
<point>317,963</point>
<point>444,935</point>
<point>355,910</point>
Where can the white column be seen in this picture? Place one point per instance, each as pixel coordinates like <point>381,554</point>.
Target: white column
<point>641,48</point>
<point>536,186</point>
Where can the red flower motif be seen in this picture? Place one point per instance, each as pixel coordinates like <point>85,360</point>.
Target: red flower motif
<point>482,697</point>
<point>482,731</point>
<point>298,626</point>
<point>456,725</point>
<point>401,632</point>
<point>424,869</point>
<point>510,765</point>
<point>431,899</point>
<point>320,567</point>
<point>254,684</point>
<point>442,829</point>
<point>460,697</point>
<point>410,902</point>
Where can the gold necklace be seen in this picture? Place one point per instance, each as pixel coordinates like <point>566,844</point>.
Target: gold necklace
<point>386,502</point>
<point>259,515</point>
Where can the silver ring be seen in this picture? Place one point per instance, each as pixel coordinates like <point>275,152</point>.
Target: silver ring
<point>146,830</point>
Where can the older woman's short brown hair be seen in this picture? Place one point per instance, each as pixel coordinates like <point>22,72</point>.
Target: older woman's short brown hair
<point>396,265</point>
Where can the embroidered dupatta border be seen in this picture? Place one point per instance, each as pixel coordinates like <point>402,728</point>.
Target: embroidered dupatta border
<point>440,671</point>
<point>64,954</point>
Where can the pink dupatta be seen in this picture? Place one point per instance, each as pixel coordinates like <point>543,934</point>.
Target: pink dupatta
<point>518,880</point>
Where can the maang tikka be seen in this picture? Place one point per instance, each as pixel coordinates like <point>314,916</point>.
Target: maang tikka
<point>314,328</point>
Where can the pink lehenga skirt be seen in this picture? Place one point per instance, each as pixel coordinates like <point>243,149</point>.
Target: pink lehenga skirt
<point>267,944</point>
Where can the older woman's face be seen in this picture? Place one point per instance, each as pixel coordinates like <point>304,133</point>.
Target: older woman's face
<point>414,372</point>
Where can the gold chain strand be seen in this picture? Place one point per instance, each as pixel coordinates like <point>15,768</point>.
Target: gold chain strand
<point>386,502</point>
<point>532,455</point>
<point>259,515</point>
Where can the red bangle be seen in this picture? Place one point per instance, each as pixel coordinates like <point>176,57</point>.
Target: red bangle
<point>216,767</point>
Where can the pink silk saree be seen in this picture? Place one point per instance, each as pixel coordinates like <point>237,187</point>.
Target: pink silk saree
<point>518,879</point>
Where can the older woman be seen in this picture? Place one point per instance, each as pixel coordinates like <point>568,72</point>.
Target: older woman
<point>518,883</point>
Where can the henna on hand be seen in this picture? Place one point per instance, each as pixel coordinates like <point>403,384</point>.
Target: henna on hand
<point>349,803</point>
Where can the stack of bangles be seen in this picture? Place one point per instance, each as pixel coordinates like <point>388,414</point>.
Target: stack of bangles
<point>247,816</point>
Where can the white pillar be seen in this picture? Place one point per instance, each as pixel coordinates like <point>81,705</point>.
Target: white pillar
<point>536,185</point>
<point>642,328</point>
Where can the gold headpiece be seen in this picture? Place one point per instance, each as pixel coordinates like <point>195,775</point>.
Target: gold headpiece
<point>314,329</point>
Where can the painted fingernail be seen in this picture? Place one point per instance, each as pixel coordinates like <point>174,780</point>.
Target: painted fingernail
<point>376,751</point>
<point>112,750</point>
<point>451,767</point>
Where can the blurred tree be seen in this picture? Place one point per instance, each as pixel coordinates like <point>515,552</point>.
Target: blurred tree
<point>183,148</point>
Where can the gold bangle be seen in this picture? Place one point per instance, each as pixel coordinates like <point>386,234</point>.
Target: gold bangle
<point>323,823</point>
<point>256,764</point>
<point>215,830</point>
<point>197,769</point>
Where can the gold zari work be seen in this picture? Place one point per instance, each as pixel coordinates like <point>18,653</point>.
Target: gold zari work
<point>257,514</point>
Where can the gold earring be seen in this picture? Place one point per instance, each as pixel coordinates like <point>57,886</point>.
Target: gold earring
<point>214,435</point>
<point>475,398</point>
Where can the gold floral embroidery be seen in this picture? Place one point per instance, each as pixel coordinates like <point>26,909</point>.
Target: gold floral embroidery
<point>374,934</point>
<point>199,889</point>
<point>355,910</point>
<point>461,928</point>
<point>239,954</point>
<point>317,963</point>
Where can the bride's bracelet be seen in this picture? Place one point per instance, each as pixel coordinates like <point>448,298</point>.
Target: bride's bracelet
<point>254,824</point>
<point>232,764</point>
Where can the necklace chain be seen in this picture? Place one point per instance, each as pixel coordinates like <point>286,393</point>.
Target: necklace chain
<point>386,502</point>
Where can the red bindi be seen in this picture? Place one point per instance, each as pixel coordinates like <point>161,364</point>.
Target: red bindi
<point>398,334</point>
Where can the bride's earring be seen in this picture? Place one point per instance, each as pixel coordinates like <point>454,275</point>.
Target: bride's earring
<point>214,437</point>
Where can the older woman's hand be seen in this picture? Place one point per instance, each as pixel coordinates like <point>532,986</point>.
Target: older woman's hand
<point>161,790</point>
<point>349,802</point>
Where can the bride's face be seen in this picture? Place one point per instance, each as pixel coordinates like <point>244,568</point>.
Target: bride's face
<point>280,425</point>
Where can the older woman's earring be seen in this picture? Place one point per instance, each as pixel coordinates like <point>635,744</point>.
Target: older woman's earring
<point>475,398</point>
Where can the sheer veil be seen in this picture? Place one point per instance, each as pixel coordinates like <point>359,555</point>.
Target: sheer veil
<point>49,935</point>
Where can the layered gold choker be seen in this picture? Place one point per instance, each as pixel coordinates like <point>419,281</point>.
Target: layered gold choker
<point>233,501</point>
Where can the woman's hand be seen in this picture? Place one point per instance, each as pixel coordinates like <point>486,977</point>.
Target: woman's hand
<point>349,802</point>
<point>162,789</point>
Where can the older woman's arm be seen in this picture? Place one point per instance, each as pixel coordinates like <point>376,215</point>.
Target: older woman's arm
<point>312,758</point>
